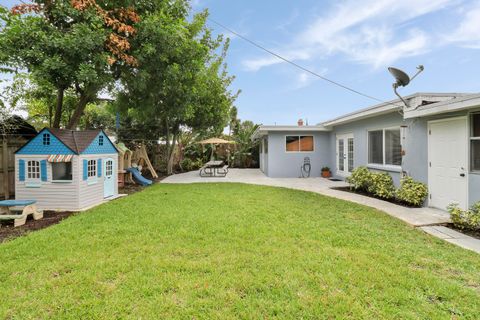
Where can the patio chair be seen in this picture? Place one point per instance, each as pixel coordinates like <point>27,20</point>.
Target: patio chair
<point>306,168</point>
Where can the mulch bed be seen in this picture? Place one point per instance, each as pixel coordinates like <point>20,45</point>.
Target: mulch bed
<point>471,233</point>
<point>363,193</point>
<point>8,232</point>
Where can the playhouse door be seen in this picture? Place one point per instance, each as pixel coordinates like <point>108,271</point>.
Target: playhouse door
<point>109,180</point>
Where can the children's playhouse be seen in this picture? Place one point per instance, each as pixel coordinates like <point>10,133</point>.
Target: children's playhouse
<point>66,169</point>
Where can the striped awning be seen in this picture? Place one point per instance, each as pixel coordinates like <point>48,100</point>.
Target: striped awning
<point>60,158</point>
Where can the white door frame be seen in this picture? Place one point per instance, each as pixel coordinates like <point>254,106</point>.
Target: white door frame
<point>106,178</point>
<point>466,155</point>
<point>345,138</point>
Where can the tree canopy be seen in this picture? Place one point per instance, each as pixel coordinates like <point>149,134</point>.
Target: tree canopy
<point>181,79</point>
<point>162,66</point>
<point>68,44</point>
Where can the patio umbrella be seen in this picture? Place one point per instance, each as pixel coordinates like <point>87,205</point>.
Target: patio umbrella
<point>214,141</point>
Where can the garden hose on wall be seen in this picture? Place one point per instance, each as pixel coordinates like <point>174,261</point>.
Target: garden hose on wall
<point>306,168</point>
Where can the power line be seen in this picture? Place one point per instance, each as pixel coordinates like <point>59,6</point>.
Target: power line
<point>298,65</point>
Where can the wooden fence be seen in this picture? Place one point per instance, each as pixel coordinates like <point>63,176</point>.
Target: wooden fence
<point>7,166</point>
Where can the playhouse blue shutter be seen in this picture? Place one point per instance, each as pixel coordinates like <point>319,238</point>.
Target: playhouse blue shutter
<point>21,170</point>
<point>43,170</point>
<point>99,167</point>
<point>85,169</point>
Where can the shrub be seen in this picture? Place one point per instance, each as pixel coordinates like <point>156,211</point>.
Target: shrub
<point>187,164</point>
<point>190,165</point>
<point>467,220</point>
<point>360,178</point>
<point>325,169</point>
<point>412,192</point>
<point>381,185</point>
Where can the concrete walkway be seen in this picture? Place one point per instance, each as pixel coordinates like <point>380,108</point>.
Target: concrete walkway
<point>416,217</point>
<point>454,237</point>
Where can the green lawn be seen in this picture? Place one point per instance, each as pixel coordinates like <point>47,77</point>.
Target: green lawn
<point>226,251</point>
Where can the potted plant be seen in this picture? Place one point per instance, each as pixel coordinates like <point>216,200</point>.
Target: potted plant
<point>326,173</point>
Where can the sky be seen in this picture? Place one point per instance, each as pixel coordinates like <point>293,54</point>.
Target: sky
<point>351,42</point>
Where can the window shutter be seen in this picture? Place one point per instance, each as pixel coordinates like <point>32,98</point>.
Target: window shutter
<point>43,170</point>
<point>21,170</point>
<point>85,169</point>
<point>99,167</point>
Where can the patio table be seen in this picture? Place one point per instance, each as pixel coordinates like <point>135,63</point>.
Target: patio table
<point>214,168</point>
<point>28,206</point>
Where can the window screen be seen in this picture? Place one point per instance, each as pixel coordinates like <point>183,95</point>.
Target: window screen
<point>375,147</point>
<point>475,143</point>
<point>393,148</point>
<point>292,143</point>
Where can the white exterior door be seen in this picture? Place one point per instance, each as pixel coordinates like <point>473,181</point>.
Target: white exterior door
<point>345,154</point>
<point>448,162</point>
<point>109,179</point>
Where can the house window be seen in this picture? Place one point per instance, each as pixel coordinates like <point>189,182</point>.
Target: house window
<point>475,143</point>
<point>299,143</point>
<point>33,170</point>
<point>384,147</point>
<point>62,171</point>
<point>46,139</point>
<point>350,154</point>
<point>109,168</point>
<point>92,168</point>
<point>100,140</point>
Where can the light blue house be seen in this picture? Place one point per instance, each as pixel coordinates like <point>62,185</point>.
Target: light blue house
<point>66,169</point>
<point>436,140</point>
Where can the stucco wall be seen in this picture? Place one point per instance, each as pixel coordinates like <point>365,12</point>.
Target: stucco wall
<point>474,188</point>
<point>282,164</point>
<point>415,161</point>
<point>360,137</point>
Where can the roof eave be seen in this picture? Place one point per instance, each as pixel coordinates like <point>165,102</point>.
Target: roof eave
<point>264,130</point>
<point>464,103</point>
<point>362,115</point>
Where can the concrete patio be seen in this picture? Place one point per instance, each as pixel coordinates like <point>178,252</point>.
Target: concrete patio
<point>424,218</point>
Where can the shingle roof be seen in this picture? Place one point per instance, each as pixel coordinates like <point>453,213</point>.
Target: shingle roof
<point>78,141</point>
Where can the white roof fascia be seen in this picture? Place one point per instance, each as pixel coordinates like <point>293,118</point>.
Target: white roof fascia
<point>386,107</point>
<point>264,130</point>
<point>366,113</point>
<point>457,104</point>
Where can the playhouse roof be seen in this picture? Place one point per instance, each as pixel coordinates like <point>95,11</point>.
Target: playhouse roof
<point>78,141</point>
<point>69,141</point>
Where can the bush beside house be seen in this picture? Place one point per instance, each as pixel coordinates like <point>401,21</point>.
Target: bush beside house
<point>465,219</point>
<point>380,185</point>
<point>412,191</point>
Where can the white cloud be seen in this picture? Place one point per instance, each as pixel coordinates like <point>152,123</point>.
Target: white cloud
<point>304,79</point>
<point>373,32</point>
<point>468,32</point>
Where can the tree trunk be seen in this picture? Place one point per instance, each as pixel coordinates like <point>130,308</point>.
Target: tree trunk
<point>171,153</point>
<point>58,108</point>
<point>82,103</point>
<point>50,114</point>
